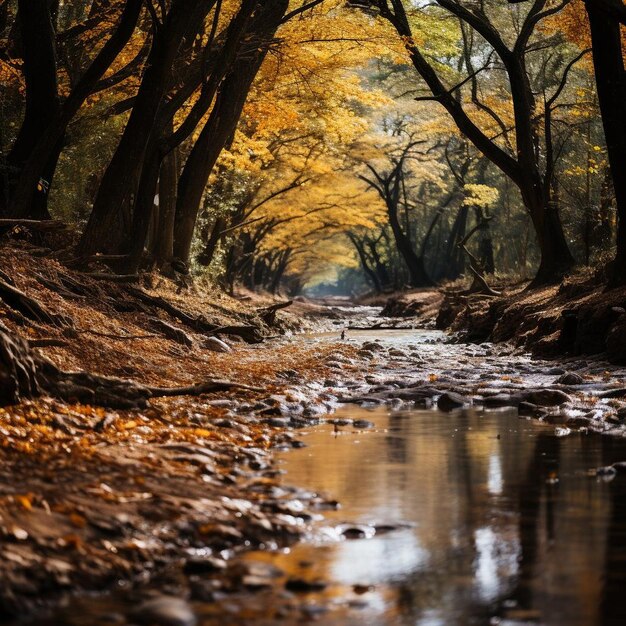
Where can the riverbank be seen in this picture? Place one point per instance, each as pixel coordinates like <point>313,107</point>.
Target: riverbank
<point>101,498</point>
<point>91,495</point>
<point>578,317</point>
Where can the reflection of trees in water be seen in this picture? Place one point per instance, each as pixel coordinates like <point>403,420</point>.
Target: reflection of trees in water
<point>397,451</point>
<point>537,486</point>
<point>613,607</point>
<point>447,588</point>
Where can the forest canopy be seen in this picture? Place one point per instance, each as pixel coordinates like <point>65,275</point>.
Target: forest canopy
<point>353,146</point>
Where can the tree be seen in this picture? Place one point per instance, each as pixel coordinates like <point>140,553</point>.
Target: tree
<point>605,17</point>
<point>524,167</point>
<point>391,186</point>
<point>33,159</point>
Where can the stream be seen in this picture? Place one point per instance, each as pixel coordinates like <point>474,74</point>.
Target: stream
<point>472,516</point>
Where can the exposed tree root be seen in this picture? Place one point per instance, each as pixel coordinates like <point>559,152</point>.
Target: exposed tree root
<point>171,332</point>
<point>479,285</point>
<point>25,374</point>
<point>47,342</point>
<point>29,307</point>
<point>268,314</point>
<point>116,278</point>
<point>248,333</point>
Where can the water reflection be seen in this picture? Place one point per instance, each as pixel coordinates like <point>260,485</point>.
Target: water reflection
<point>503,525</point>
<point>507,526</point>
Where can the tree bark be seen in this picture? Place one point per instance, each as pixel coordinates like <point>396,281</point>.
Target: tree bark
<point>163,245</point>
<point>42,96</point>
<point>221,124</point>
<point>611,87</point>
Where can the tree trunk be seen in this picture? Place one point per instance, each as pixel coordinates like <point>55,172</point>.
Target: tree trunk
<point>379,266</point>
<point>221,125</point>
<point>120,180</point>
<point>611,86</point>
<point>163,246</point>
<point>208,252</point>
<point>369,272</point>
<point>42,97</point>
<point>556,258</point>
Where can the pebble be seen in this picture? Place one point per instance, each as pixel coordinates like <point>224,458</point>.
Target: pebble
<point>164,611</point>
<point>216,345</point>
<point>198,565</point>
<point>300,585</point>
<point>451,400</point>
<point>547,397</point>
<point>570,378</point>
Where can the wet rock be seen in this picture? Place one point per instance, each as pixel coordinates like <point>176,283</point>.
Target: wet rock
<point>396,352</point>
<point>300,585</point>
<point>254,575</point>
<point>502,400</point>
<point>619,392</point>
<point>336,365</point>
<point>367,354</point>
<point>216,345</point>
<point>276,422</point>
<point>547,397</point>
<point>354,532</point>
<point>362,424</point>
<point>372,346</point>
<point>339,421</point>
<point>225,423</point>
<point>420,395</point>
<point>383,529</point>
<point>313,611</point>
<point>528,408</point>
<point>164,611</point>
<point>607,473</point>
<point>451,400</point>
<point>204,565</point>
<point>570,378</point>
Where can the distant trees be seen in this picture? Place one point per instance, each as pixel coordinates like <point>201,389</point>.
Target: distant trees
<point>391,185</point>
<point>530,167</point>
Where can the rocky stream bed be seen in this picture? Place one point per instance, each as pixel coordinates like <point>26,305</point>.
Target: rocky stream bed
<point>166,539</point>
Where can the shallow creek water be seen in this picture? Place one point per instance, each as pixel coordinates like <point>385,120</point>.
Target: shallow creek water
<point>505,522</point>
<point>470,517</point>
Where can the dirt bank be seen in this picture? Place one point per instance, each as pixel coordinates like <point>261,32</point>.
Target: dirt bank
<point>578,317</point>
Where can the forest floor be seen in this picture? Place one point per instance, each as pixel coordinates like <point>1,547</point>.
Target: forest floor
<point>90,496</point>
<point>98,498</point>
